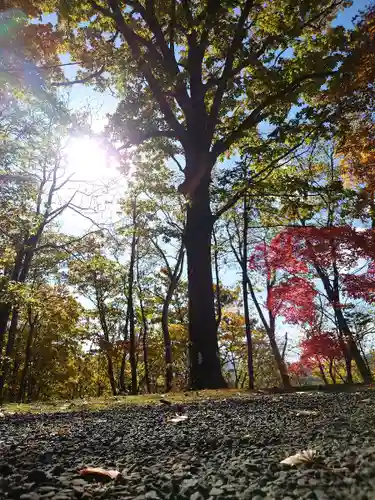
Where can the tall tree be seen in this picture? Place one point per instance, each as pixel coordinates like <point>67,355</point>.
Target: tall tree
<point>201,76</point>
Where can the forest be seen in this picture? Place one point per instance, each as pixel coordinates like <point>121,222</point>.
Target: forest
<point>235,245</point>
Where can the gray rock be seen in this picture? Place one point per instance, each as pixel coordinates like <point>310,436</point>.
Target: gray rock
<point>30,496</point>
<point>37,476</point>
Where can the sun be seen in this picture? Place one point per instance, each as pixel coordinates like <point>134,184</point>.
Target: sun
<point>87,160</point>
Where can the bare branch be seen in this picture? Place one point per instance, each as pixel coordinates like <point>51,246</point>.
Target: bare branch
<point>80,80</point>
<point>180,167</point>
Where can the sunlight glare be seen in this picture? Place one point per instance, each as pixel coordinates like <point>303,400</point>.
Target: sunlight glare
<point>87,159</point>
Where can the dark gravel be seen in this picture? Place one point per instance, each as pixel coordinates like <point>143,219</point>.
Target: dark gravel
<point>225,449</point>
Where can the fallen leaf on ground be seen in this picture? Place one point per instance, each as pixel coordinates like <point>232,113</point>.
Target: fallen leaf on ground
<point>99,471</point>
<point>302,457</point>
<point>1,414</point>
<point>367,400</point>
<point>178,418</point>
<point>306,412</point>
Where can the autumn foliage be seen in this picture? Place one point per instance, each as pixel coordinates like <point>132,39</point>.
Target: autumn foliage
<point>289,293</point>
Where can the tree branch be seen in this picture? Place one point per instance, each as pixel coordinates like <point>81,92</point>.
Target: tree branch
<point>80,80</point>
<point>237,196</point>
<point>228,66</point>
<point>256,116</point>
<point>133,44</point>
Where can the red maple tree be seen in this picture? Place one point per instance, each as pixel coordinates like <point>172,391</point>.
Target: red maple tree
<point>289,293</point>
<point>322,350</point>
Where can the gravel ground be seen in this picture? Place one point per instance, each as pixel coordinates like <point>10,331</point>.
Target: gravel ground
<point>224,449</point>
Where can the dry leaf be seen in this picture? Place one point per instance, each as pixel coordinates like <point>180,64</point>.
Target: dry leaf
<point>302,457</point>
<point>367,400</point>
<point>165,401</point>
<point>1,414</point>
<point>306,412</point>
<point>178,418</point>
<point>98,471</point>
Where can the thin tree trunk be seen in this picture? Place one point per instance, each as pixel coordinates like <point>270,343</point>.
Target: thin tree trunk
<point>276,352</point>
<point>145,332</point>
<point>103,323</point>
<point>268,326</point>
<point>353,349</point>
<point>205,367</point>
<point>174,278</point>
<point>331,371</point>
<point>6,308</point>
<point>347,357</point>
<point>132,350</point>
<point>321,369</point>
<point>30,337</point>
<point>283,352</point>
<point>217,277</point>
<point>334,297</point>
<point>122,385</point>
<point>249,340</point>
<point>8,351</point>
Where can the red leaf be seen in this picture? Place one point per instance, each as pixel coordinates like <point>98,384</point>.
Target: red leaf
<point>98,471</point>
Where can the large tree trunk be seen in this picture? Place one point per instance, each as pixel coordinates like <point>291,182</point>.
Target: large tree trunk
<point>205,369</point>
<point>250,365</point>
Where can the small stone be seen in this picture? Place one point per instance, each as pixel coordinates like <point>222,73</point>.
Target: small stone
<point>30,496</point>
<point>152,495</point>
<point>188,484</point>
<point>46,458</point>
<point>196,496</point>
<point>320,495</point>
<point>5,469</point>
<point>215,492</point>
<point>37,476</point>
<point>78,482</point>
<point>57,470</point>
<point>46,489</point>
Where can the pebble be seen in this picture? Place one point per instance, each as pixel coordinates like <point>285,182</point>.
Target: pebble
<point>37,476</point>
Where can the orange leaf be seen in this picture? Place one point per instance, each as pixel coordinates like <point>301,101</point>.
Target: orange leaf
<point>98,471</point>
